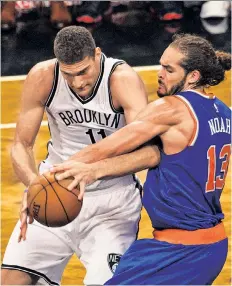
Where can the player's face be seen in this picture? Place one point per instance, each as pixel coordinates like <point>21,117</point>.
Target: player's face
<point>171,76</point>
<point>82,76</point>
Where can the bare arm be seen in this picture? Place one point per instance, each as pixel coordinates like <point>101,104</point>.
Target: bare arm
<point>22,150</point>
<point>84,174</point>
<point>35,92</point>
<point>36,89</point>
<point>156,119</point>
<point>138,160</point>
<point>141,159</point>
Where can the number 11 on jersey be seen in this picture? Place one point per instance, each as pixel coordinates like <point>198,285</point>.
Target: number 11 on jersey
<point>91,134</point>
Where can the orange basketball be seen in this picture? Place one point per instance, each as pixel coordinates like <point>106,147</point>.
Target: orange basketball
<point>51,203</point>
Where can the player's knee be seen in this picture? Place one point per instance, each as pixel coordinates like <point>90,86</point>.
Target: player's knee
<point>15,277</point>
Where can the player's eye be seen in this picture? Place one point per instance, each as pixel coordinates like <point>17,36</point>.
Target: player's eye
<point>84,71</point>
<point>67,75</point>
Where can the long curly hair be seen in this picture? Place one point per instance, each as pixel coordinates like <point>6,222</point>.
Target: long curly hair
<point>201,56</point>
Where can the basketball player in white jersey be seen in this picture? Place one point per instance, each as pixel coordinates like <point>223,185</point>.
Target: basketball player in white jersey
<point>87,97</point>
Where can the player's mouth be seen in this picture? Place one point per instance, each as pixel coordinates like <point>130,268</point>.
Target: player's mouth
<point>82,89</point>
<point>161,85</point>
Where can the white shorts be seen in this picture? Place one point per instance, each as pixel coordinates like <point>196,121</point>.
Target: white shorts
<point>104,229</point>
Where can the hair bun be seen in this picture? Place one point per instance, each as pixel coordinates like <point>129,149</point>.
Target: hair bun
<point>224,59</point>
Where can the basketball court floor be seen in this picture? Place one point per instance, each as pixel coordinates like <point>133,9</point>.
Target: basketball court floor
<point>11,188</point>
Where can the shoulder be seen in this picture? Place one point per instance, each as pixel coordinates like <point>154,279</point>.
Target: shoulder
<point>43,70</point>
<point>167,109</point>
<point>40,78</point>
<point>127,89</point>
<point>124,72</point>
<point>164,102</point>
<point>125,79</point>
<point>171,102</point>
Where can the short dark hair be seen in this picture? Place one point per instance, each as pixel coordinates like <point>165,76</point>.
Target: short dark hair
<point>201,56</point>
<point>72,44</point>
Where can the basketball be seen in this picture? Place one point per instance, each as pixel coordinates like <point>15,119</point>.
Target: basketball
<point>51,203</point>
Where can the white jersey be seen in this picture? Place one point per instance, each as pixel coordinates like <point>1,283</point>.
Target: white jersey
<point>75,122</point>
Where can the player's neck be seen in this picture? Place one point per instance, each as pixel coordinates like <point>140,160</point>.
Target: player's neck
<point>200,89</point>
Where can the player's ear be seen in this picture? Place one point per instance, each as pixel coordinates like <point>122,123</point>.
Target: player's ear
<point>193,77</point>
<point>97,52</point>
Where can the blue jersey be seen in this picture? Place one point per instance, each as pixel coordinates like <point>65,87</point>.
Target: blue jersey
<point>184,190</point>
<point>153,262</point>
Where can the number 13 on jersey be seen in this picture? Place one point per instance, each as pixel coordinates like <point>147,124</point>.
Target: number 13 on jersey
<point>217,181</point>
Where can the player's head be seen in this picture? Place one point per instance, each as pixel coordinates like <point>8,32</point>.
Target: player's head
<point>190,62</point>
<point>78,57</point>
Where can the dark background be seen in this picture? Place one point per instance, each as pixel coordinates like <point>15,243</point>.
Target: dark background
<point>140,41</point>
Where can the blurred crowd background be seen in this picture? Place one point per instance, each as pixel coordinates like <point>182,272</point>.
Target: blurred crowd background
<point>137,31</point>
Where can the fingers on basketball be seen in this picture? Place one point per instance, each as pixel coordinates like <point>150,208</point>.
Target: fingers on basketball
<point>51,203</point>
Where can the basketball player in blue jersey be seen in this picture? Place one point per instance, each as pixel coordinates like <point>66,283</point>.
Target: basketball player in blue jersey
<point>182,192</point>
<point>87,97</point>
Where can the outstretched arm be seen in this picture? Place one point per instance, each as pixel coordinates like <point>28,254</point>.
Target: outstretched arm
<point>130,163</point>
<point>155,119</point>
<point>84,174</point>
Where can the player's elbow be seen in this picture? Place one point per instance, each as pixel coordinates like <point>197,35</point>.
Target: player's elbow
<point>14,150</point>
<point>18,148</point>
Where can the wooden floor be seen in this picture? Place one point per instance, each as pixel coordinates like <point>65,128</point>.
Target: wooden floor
<point>12,189</point>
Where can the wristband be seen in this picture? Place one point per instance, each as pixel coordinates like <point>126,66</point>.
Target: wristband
<point>26,191</point>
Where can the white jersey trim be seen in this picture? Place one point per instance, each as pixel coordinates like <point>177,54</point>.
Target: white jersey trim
<point>54,86</point>
<point>205,96</point>
<point>196,129</point>
<point>96,86</point>
<point>30,271</point>
<point>110,96</point>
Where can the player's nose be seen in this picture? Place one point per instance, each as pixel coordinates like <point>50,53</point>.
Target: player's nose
<point>78,82</point>
<point>160,73</point>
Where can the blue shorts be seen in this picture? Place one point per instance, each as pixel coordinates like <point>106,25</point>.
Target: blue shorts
<point>153,262</point>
